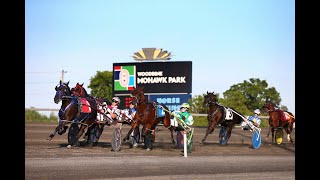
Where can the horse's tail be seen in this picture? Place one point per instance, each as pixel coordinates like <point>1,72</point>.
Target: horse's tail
<point>291,115</point>
<point>166,120</point>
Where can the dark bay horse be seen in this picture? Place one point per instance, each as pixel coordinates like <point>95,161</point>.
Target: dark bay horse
<point>81,94</point>
<point>279,119</point>
<point>218,114</point>
<point>68,110</point>
<point>146,114</point>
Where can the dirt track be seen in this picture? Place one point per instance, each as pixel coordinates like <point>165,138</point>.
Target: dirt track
<point>38,149</point>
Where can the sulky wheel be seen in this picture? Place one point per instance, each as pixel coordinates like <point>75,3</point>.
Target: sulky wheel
<point>256,139</point>
<point>116,139</point>
<point>223,139</point>
<point>279,136</point>
<point>72,134</point>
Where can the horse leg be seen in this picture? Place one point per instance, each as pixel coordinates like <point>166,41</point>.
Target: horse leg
<point>61,125</point>
<point>290,130</point>
<point>134,125</point>
<point>289,135</point>
<point>267,137</point>
<point>229,131</point>
<point>81,131</point>
<point>148,137</point>
<point>209,130</point>
<point>172,138</point>
<point>272,134</point>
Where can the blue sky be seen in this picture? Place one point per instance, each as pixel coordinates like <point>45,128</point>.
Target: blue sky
<point>228,41</point>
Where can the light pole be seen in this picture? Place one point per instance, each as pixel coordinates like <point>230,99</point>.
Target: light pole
<point>62,75</point>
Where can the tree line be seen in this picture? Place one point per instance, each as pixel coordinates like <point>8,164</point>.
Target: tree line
<point>244,97</point>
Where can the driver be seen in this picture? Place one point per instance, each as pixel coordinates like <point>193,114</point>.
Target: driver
<point>255,119</point>
<point>113,112</point>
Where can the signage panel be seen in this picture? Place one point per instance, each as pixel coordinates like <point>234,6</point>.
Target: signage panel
<point>156,77</point>
<point>172,101</point>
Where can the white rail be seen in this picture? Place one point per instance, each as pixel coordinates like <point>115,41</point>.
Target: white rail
<point>193,114</point>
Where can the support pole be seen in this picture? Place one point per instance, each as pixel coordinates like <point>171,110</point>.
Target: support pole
<point>185,143</point>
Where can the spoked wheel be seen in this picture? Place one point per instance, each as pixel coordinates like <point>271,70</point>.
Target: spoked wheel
<point>223,139</point>
<point>256,139</point>
<point>116,139</point>
<point>180,139</point>
<point>279,136</point>
<point>72,134</point>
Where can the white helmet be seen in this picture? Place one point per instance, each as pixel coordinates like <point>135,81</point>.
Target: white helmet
<point>257,111</point>
<point>116,99</point>
<point>104,103</point>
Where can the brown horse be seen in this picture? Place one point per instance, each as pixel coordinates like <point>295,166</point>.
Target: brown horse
<point>217,115</point>
<point>279,119</point>
<point>80,91</point>
<point>146,114</point>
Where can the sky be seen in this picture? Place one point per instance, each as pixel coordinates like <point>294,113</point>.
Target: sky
<point>227,41</point>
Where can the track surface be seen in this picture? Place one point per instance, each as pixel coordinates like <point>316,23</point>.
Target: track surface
<point>238,160</point>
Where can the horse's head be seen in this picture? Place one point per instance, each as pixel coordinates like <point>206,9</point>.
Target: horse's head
<point>209,98</point>
<point>137,95</point>
<point>269,106</point>
<point>62,89</point>
<point>79,90</point>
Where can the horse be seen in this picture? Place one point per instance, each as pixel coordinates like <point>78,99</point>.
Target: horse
<point>68,112</point>
<point>279,119</point>
<point>91,122</point>
<point>80,91</point>
<point>218,114</point>
<point>146,114</point>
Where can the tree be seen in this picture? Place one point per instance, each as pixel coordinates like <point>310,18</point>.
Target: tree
<point>250,95</point>
<point>285,108</point>
<point>236,100</point>
<point>196,104</point>
<point>101,84</point>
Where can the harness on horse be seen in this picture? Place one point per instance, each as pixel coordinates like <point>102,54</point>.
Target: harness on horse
<point>228,112</point>
<point>74,100</point>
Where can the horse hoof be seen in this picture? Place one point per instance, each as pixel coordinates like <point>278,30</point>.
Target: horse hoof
<point>69,146</point>
<point>148,149</point>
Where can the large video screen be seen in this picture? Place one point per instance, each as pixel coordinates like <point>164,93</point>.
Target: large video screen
<point>156,77</point>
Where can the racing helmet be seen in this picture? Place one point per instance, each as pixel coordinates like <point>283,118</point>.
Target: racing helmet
<point>257,111</point>
<point>185,105</point>
<point>117,99</point>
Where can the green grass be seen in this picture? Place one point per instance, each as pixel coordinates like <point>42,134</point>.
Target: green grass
<point>34,116</point>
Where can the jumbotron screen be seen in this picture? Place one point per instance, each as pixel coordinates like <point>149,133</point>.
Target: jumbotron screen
<point>155,77</point>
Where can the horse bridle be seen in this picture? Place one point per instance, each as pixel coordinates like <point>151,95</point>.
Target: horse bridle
<point>62,90</point>
<point>136,99</point>
<point>76,89</point>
